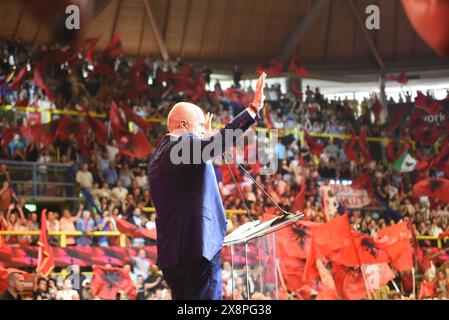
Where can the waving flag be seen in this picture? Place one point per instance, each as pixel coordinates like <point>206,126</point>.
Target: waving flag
<point>431,107</point>
<point>106,282</point>
<point>401,78</point>
<point>114,48</point>
<point>405,163</point>
<point>315,148</point>
<point>132,116</point>
<point>363,144</point>
<point>90,47</point>
<point>350,149</point>
<point>99,129</point>
<point>436,188</point>
<point>272,68</point>
<point>45,262</point>
<point>132,230</point>
<point>395,241</point>
<point>296,68</point>
<point>17,82</point>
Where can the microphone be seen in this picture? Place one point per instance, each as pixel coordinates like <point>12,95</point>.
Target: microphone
<point>285,214</point>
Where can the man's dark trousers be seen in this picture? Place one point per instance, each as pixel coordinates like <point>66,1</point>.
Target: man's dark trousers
<point>200,280</point>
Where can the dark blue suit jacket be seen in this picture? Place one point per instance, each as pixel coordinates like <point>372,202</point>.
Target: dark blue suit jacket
<point>190,217</point>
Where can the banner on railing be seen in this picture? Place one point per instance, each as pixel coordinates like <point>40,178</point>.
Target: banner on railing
<point>352,198</point>
<point>23,257</point>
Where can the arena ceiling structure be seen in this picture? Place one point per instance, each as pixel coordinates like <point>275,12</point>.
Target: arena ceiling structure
<point>329,36</point>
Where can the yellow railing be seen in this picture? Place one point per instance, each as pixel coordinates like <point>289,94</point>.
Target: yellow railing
<point>438,240</point>
<point>228,212</point>
<point>282,132</point>
<point>64,234</point>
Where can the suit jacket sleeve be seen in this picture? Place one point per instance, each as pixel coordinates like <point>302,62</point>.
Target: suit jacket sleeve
<point>219,142</point>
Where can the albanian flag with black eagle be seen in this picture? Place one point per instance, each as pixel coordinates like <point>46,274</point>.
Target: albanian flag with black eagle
<point>436,188</point>
<point>106,282</point>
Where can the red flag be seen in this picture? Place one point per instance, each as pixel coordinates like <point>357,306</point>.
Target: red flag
<point>350,149</point>
<point>296,68</point>
<point>67,126</point>
<point>133,145</point>
<point>395,241</point>
<point>132,230</point>
<point>296,90</point>
<point>132,116</point>
<point>99,129</point>
<point>42,133</point>
<point>272,68</point>
<point>238,96</point>
<point>377,109</point>
<point>363,144</point>
<point>300,199</point>
<point>362,181</point>
<point>114,48</point>
<point>392,155</point>
<point>401,78</point>
<point>377,275</point>
<point>399,115</point>
<point>432,107</point>
<point>315,148</point>
<point>349,282</point>
<point>106,282</point>
<point>90,47</point>
<point>435,188</point>
<point>17,82</point>
<point>45,262</point>
<point>39,82</point>
<point>105,70</point>
<point>226,174</point>
<point>119,129</point>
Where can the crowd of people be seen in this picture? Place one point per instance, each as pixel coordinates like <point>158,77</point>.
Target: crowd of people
<point>118,185</point>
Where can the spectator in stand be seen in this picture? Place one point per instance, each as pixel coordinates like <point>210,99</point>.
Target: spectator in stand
<point>105,191</point>
<point>67,292</point>
<point>16,143</point>
<point>85,224</point>
<point>41,292</point>
<point>4,174</point>
<point>33,225</point>
<point>67,223</point>
<point>7,195</point>
<point>141,265</point>
<point>53,225</point>
<point>106,223</point>
<point>120,192</point>
<point>84,178</point>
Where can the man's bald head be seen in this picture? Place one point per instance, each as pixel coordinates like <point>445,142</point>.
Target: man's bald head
<point>15,281</point>
<point>186,117</point>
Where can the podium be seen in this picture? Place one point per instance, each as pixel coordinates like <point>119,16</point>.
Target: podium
<point>254,267</point>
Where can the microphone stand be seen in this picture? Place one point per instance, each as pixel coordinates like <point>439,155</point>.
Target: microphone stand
<point>285,214</point>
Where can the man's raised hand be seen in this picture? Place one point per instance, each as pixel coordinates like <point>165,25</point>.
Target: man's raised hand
<point>258,94</point>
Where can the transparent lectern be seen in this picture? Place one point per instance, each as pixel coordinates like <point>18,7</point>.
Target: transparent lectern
<point>254,266</point>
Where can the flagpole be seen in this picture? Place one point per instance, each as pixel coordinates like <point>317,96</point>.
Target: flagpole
<point>359,261</point>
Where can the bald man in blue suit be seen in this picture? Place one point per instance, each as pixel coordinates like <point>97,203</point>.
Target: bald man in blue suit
<point>190,219</point>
